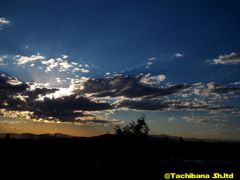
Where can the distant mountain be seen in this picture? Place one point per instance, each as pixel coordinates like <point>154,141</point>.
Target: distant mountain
<point>35,136</point>
<point>103,137</point>
<point>164,137</point>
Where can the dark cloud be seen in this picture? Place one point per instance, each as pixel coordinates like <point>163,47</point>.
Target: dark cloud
<point>67,108</point>
<point>21,100</point>
<point>30,101</point>
<point>14,95</point>
<point>144,104</point>
<point>33,94</point>
<point>214,88</point>
<point>222,91</point>
<point>126,86</point>
<point>169,105</point>
<point>134,87</point>
<point>11,85</point>
<point>10,92</point>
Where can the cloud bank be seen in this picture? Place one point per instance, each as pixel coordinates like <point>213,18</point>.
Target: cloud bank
<point>129,86</point>
<point>85,96</point>
<point>21,100</point>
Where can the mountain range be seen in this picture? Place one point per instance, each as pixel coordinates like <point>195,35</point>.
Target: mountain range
<point>152,138</point>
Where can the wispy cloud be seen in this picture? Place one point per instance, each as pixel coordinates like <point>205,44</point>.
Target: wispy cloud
<point>220,124</point>
<point>3,21</point>
<point>178,55</point>
<point>218,131</point>
<point>151,59</point>
<point>233,58</point>
<point>64,56</point>
<point>85,70</point>
<point>2,62</point>
<point>25,59</point>
<point>148,64</point>
<point>202,119</point>
<point>171,118</point>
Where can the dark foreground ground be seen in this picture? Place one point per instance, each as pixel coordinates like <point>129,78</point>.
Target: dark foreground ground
<point>114,158</point>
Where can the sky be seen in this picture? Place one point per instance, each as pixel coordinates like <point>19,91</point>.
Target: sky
<point>81,67</point>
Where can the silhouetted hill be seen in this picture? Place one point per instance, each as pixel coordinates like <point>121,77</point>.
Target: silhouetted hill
<point>103,137</point>
<point>35,136</point>
<point>162,137</point>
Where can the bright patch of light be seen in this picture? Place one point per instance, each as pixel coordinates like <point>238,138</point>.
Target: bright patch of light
<point>33,86</point>
<point>58,94</point>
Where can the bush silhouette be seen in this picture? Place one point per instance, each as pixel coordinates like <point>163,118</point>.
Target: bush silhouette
<point>7,137</point>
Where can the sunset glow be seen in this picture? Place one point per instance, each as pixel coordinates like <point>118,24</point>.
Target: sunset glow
<point>82,67</point>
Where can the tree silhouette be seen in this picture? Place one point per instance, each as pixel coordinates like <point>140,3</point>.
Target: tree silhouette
<point>180,140</point>
<point>139,128</point>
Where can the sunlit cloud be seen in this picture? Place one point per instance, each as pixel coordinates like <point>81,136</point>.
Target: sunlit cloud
<point>235,83</point>
<point>214,88</point>
<point>2,61</point>
<point>64,65</point>
<point>25,59</point>
<point>51,63</point>
<point>148,65</point>
<point>60,64</point>
<point>64,56</point>
<point>233,58</point>
<point>16,114</point>
<point>178,55</point>
<point>151,59</point>
<point>57,94</point>
<point>3,21</point>
<point>85,70</point>
<point>76,69</point>
<point>150,79</point>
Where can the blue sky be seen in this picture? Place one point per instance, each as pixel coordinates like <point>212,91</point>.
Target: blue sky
<point>108,62</point>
